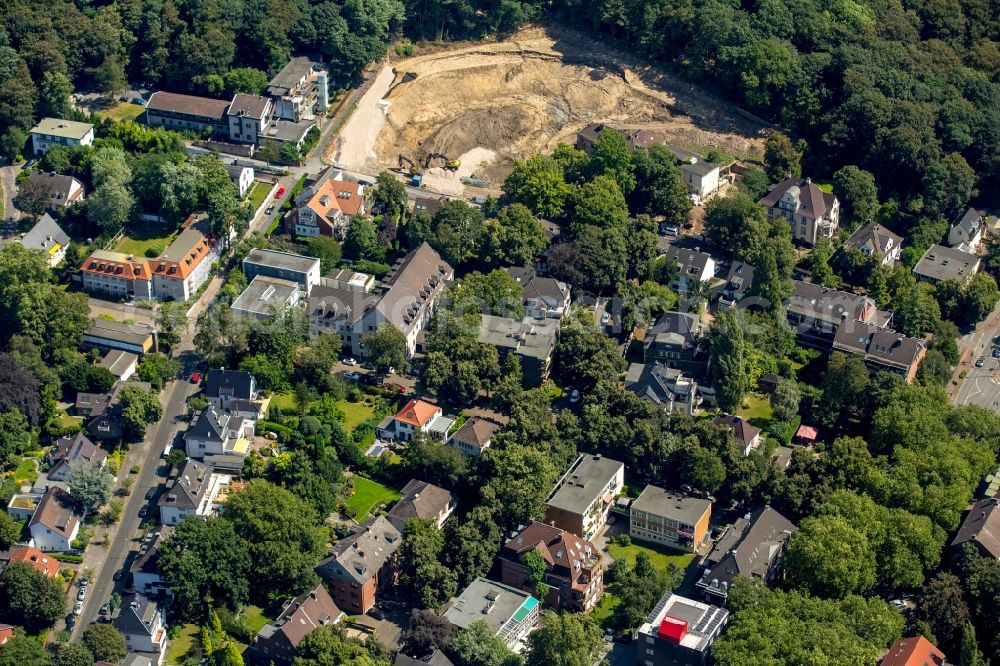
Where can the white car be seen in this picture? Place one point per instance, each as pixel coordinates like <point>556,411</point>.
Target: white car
<point>353,376</point>
<point>392,370</point>
<point>695,199</point>
<point>574,396</point>
<point>78,608</point>
<point>350,361</point>
<point>82,594</point>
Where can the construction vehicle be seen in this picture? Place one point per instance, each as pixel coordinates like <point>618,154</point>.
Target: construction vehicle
<point>413,169</point>
<point>449,164</point>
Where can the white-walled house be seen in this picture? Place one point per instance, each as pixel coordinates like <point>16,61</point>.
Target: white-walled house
<point>192,493</point>
<point>54,525</point>
<point>242,177</point>
<point>141,621</point>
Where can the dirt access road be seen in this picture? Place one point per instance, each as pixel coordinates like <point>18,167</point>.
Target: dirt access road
<point>489,103</point>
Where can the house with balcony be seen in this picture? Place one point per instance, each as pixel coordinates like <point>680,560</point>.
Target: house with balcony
<point>297,268</point>
<point>811,212</point>
<point>187,113</point>
<point>573,566</point>
<point>675,341</point>
<point>753,546</point>
<point>876,241</point>
<point>277,642</point>
<point>882,349</point>
<point>48,238</point>
<point>142,622</point>
<point>421,500</point>
<point>542,297</point>
<point>581,499</point>
<point>61,191</point>
<point>193,492</point>
<point>361,566</point>
<point>693,267</point>
<point>117,276</point>
<point>225,389</point>
<point>218,433</point>
<point>145,573</point>
<point>679,631</point>
<point>739,282</point>
<point>299,90</point>
<point>667,388</point>
<point>532,340</point>
<point>36,559</point>
<point>58,132</point>
<point>325,207</point>
<point>248,117</point>
<point>510,613</point>
<point>817,313</point>
<point>670,519</point>
<point>415,416</point>
<point>183,267</point>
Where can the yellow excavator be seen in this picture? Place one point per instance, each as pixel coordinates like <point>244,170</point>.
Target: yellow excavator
<point>449,164</point>
<point>412,169</point>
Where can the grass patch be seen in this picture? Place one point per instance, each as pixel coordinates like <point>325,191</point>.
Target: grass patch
<point>64,420</point>
<point>367,494</point>
<point>139,239</point>
<point>756,407</point>
<point>122,111</point>
<point>604,611</point>
<point>658,558</point>
<point>26,470</point>
<point>182,643</point>
<point>285,402</point>
<point>255,618</point>
<point>258,193</point>
<point>356,413</point>
<point>825,187</point>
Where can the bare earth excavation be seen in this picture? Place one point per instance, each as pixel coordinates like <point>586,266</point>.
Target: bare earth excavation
<point>487,104</point>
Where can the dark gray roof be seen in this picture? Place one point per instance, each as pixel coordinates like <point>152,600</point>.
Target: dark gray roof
<point>45,234</point>
<point>283,260</point>
<point>410,283</point>
<point>213,109</point>
<point>294,71</point>
<point>364,552</point>
<point>655,383</point>
<point>133,334</point>
<point>419,500</point>
<point>213,425</point>
<point>680,324</point>
<point>879,345</point>
<point>675,506</point>
<point>336,302</point>
<point>190,486</point>
<point>946,263</point>
<point>234,383</point>
<point>831,305</point>
<point>689,262</point>
<point>549,290</point>
<point>693,162</point>
<point>743,432</point>
<point>750,546</point>
<point>740,277</point>
<point>146,562</point>
<point>530,337</point>
<point>137,615</point>
<point>874,236</point>
<point>436,658</point>
<point>970,221</point>
<point>70,449</point>
<point>981,526</point>
<point>253,106</point>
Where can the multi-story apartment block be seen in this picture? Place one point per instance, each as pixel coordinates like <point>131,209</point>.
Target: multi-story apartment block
<point>581,499</point>
<point>679,632</point>
<point>671,519</point>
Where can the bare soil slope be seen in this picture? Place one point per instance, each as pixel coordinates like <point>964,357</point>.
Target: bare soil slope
<point>487,104</point>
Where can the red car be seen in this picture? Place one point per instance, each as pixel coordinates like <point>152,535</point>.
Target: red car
<point>280,193</point>
<point>195,378</point>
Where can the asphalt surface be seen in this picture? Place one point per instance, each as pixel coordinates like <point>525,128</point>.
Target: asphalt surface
<point>152,473</point>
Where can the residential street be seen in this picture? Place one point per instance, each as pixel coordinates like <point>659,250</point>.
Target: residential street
<point>981,386</point>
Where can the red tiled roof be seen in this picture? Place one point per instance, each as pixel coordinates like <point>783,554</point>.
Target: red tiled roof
<point>36,558</point>
<point>913,652</point>
<point>807,432</point>
<point>417,413</point>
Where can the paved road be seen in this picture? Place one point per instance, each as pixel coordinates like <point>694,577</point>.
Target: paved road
<point>152,473</point>
<point>978,386</point>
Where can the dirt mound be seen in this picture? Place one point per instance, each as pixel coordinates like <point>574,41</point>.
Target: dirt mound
<point>517,98</point>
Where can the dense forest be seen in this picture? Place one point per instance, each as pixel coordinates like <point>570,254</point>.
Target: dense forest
<point>906,90</point>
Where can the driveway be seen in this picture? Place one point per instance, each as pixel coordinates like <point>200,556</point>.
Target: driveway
<point>8,176</point>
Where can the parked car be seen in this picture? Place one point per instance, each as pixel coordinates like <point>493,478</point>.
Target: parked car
<point>280,193</point>
<point>574,396</point>
<point>196,378</point>
<point>78,608</point>
<point>671,231</point>
<point>353,376</point>
<point>106,609</point>
<point>143,511</point>
<point>139,101</point>
<point>376,614</point>
<point>151,493</point>
<point>82,594</point>
<point>996,352</point>
<point>695,199</point>
<point>269,210</point>
<point>350,361</point>
<point>118,575</point>
<point>981,361</point>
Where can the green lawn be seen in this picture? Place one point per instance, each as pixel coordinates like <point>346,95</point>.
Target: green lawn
<point>605,609</point>
<point>122,111</point>
<point>255,618</point>
<point>756,407</point>
<point>27,470</point>
<point>284,401</point>
<point>356,413</point>
<point>258,193</point>
<point>659,558</point>
<point>367,494</point>
<point>66,421</point>
<point>183,642</point>
<point>138,239</point>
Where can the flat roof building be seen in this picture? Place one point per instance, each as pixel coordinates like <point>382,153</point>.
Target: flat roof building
<point>510,613</point>
<point>283,265</point>
<point>941,263</point>
<point>672,519</point>
<point>580,501</point>
<point>136,338</point>
<point>679,631</point>
<point>266,296</point>
<point>532,340</point>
